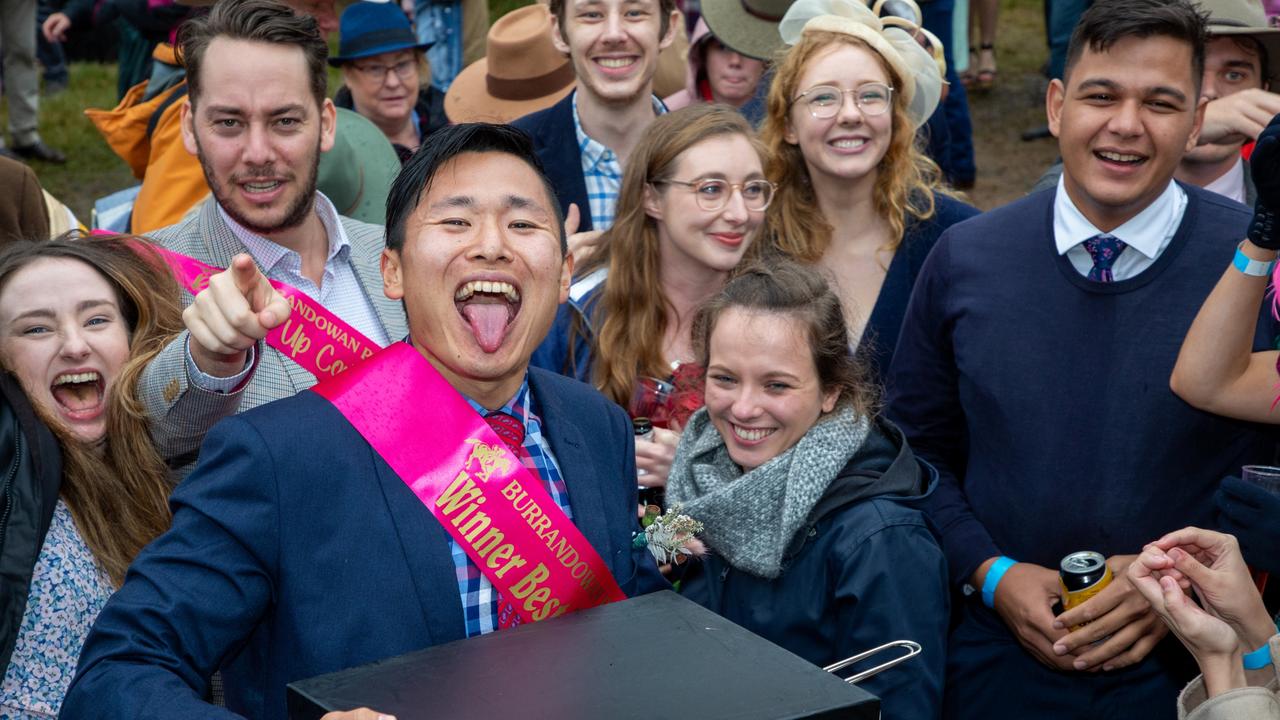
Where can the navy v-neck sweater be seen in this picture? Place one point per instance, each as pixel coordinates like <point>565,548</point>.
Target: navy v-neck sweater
<point>1043,397</point>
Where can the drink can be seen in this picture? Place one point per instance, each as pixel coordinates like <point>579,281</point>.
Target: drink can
<point>1082,575</point>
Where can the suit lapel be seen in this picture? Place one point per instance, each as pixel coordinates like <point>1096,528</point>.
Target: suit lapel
<point>366,254</point>
<point>426,551</point>
<point>578,467</point>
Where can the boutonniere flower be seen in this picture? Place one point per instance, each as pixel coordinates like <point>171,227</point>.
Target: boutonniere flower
<point>671,537</point>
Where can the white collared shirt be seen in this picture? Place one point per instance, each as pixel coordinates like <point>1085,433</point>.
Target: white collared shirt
<point>340,291</point>
<point>1146,234</point>
<point>1231,183</point>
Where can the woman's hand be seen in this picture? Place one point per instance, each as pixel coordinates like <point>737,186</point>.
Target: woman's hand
<point>654,457</point>
<point>1214,644</point>
<point>1211,561</point>
<point>582,245</point>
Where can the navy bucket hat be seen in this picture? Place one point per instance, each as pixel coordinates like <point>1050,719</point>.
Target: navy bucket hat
<point>373,28</point>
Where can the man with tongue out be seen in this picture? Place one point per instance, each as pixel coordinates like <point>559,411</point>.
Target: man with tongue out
<point>257,117</point>
<point>295,549</point>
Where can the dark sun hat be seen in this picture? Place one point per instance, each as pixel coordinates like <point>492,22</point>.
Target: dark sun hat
<point>373,28</point>
<point>749,27</point>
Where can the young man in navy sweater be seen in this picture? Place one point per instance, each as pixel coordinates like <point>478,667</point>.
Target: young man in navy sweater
<point>1033,371</point>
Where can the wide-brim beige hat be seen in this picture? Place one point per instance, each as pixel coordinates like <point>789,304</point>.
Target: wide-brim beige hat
<point>748,27</point>
<point>522,72</point>
<point>1245,18</point>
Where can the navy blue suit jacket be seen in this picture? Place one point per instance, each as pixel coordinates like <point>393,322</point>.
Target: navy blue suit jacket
<point>556,143</point>
<point>295,551</point>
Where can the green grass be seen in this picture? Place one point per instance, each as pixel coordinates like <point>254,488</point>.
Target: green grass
<point>93,170</point>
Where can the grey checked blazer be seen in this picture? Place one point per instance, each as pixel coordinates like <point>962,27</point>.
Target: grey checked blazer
<point>182,413</point>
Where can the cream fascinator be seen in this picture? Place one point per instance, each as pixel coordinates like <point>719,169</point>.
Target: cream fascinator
<point>892,37</point>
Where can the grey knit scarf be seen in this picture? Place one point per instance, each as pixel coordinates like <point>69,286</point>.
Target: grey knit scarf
<point>749,518</point>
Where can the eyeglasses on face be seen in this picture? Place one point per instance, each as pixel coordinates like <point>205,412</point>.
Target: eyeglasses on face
<point>713,194</point>
<point>377,72</point>
<point>824,101</point>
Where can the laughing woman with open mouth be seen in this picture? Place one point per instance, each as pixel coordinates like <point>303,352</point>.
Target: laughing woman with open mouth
<point>79,319</point>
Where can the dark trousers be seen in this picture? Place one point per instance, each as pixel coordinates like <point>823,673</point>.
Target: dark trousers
<point>949,130</point>
<point>991,677</point>
<point>49,54</point>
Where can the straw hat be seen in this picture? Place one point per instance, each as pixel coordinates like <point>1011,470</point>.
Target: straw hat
<point>522,72</point>
<point>1245,18</point>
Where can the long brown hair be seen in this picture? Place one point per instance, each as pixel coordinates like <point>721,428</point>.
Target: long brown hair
<point>789,288</point>
<point>632,312</point>
<point>118,492</point>
<point>905,184</point>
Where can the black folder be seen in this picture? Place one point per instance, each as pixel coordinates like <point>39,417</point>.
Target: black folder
<point>655,656</point>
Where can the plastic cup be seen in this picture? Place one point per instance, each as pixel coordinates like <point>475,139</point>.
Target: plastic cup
<point>1263,476</point>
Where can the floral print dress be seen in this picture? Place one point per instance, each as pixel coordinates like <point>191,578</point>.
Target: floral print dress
<point>68,590</point>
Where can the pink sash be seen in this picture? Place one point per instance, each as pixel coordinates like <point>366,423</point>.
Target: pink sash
<point>501,514</point>
<point>321,342</point>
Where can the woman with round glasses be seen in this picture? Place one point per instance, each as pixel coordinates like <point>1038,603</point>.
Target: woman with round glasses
<point>693,199</point>
<point>856,196</point>
<point>382,64</point>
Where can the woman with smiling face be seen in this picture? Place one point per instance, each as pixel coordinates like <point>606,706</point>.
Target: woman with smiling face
<point>693,199</point>
<point>79,319</point>
<point>811,504</point>
<point>717,73</point>
<point>856,196</point>
<point>382,67</point>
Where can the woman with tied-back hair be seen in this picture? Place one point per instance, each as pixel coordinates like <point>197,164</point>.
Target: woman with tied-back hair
<point>79,319</point>
<point>811,503</point>
<point>856,196</point>
<point>693,200</point>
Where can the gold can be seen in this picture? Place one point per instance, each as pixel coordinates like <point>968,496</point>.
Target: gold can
<point>1082,575</point>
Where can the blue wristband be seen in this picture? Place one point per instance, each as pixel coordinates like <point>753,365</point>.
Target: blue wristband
<point>1251,267</point>
<point>997,571</point>
<point>1259,658</point>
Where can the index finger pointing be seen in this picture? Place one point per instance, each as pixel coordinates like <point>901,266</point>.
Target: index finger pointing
<point>246,273</point>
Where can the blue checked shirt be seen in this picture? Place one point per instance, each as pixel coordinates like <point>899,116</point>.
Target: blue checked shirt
<point>601,170</point>
<point>479,600</point>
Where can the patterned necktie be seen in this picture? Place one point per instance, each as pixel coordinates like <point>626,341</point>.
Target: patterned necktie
<point>509,428</point>
<point>1104,249</point>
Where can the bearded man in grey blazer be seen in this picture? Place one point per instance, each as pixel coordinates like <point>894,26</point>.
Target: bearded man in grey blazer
<point>257,117</point>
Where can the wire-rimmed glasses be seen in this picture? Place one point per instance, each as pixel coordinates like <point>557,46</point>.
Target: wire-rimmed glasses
<point>824,101</point>
<point>713,194</point>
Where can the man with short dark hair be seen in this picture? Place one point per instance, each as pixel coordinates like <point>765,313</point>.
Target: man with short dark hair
<point>301,545</point>
<point>257,117</point>
<point>1033,371</point>
<point>584,140</point>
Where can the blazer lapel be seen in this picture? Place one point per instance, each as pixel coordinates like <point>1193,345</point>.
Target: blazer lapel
<point>579,468</point>
<point>366,259</point>
<point>426,551</point>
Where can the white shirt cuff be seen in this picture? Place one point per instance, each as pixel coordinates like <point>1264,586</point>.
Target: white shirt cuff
<point>210,383</point>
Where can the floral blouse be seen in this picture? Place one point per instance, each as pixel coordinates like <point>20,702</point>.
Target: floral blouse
<point>68,590</point>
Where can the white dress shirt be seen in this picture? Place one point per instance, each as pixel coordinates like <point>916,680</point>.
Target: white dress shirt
<point>1231,183</point>
<point>1146,234</point>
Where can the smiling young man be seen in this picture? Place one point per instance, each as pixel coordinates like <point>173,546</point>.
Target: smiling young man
<point>257,118</point>
<point>1033,371</point>
<point>298,545</point>
<point>584,139</point>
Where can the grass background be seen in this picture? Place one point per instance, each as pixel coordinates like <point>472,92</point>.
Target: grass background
<point>1007,167</point>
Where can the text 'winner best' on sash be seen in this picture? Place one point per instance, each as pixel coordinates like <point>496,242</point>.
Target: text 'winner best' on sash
<point>313,337</point>
<point>498,511</point>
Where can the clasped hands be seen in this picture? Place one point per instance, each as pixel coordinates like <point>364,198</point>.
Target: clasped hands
<point>1122,628</point>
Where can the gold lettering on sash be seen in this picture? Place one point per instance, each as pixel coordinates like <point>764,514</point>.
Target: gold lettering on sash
<point>295,339</point>
<point>332,368</point>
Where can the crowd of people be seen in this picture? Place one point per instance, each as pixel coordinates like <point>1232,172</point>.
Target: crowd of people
<point>344,371</point>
